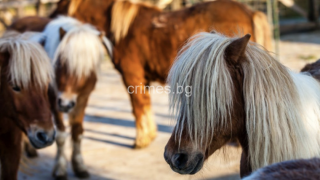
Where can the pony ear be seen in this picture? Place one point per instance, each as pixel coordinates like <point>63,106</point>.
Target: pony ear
<point>236,49</point>
<point>62,33</point>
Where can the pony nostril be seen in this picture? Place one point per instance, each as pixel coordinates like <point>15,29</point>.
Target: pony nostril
<point>60,102</point>
<point>42,137</point>
<point>180,160</point>
<point>72,104</point>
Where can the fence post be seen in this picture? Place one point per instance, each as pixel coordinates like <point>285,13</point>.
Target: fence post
<point>20,9</point>
<point>313,13</point>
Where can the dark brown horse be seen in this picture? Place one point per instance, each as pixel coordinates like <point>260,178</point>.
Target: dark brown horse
<point>239,91</point>
<point>293,170</point>
<point>26,72</point>
<point>146,41</point>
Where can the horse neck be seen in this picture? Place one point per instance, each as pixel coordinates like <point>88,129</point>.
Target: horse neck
<point>245,166</point>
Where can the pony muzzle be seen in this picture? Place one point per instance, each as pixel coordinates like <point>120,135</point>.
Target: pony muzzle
<point>40,138</point>
<point>66,105</point>
<point>184,163</point>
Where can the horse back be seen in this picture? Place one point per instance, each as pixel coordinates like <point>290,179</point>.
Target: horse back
<point>160,35</point>
<point>30,23</point>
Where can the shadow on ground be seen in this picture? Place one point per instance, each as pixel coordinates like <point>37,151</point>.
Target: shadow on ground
<point>122,122</point>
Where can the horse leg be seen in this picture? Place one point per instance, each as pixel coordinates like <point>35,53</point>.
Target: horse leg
<point>10,154</point>
<point>76,120</point>
<point>141,104</point>
<point>60,167</point>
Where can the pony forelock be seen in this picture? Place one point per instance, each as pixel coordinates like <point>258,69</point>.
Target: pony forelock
<point>281,107</point>
<point>29,64</point>
<point>81,49</point>
<point>201,65</point>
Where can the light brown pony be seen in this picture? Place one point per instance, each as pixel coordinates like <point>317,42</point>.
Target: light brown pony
<point>146,40</point>
<point>239,91</point>
<point>25,72</point>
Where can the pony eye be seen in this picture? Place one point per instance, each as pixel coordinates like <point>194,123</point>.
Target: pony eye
<point>16,88</point>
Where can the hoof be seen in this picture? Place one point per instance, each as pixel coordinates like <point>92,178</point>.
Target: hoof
<point>64,177</point>
<point>143,143</point>
<point>140,145</point>
<point>153,136</point>
<point>82,174</point>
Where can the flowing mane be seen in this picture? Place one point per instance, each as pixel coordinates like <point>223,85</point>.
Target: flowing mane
<point>81,49</point>
<point>282,107</point>
<point>123,14</point>
<point>29,64</point>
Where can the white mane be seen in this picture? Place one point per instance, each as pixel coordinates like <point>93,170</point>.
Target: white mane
<point>81,49</point>
<point>29,64</point>
<point>282,107</point>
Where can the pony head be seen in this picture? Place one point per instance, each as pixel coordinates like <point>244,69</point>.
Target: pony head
<point>212,69</point>
<point>239,91</point>
<point>26,72</point>
<point>76,50</point>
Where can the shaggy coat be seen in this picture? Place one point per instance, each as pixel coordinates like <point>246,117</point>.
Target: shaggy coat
<point>240,91</point>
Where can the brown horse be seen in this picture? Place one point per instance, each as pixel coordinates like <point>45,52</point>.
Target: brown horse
<point>239,91</point>
<point>146,40</point>
<point>293,170</point>
<point>26,72</point>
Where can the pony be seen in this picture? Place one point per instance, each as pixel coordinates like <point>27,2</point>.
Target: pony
<point>145,41</point>
<point>76,50</point>
<point>294,169</point>
<point>26,72</point>
<point>239,91</point>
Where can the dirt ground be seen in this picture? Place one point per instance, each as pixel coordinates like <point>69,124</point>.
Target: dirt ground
<point>110,129</point>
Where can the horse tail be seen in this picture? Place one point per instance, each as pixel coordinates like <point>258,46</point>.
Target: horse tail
<point>262,30</point>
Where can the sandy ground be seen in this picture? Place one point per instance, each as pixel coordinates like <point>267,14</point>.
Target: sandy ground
<point>110,130</point>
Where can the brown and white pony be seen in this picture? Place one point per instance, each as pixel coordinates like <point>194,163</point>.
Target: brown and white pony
<point>240,91</point>
<point>76,50</point>
<point>293,170</point>
<point>146,41</point>
<point>26,72</point>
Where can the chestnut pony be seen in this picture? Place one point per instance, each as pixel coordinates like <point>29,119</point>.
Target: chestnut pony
<point>76,50</point>
<point>240,91</point>
<point>146,40</point>
<point>26,72</point>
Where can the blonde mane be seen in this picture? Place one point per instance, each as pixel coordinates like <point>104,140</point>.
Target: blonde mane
<point>123,14</point>
<point>282,107</point>
<point>29,64</point>
<point>73,6</point>
<point>81,49</point>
